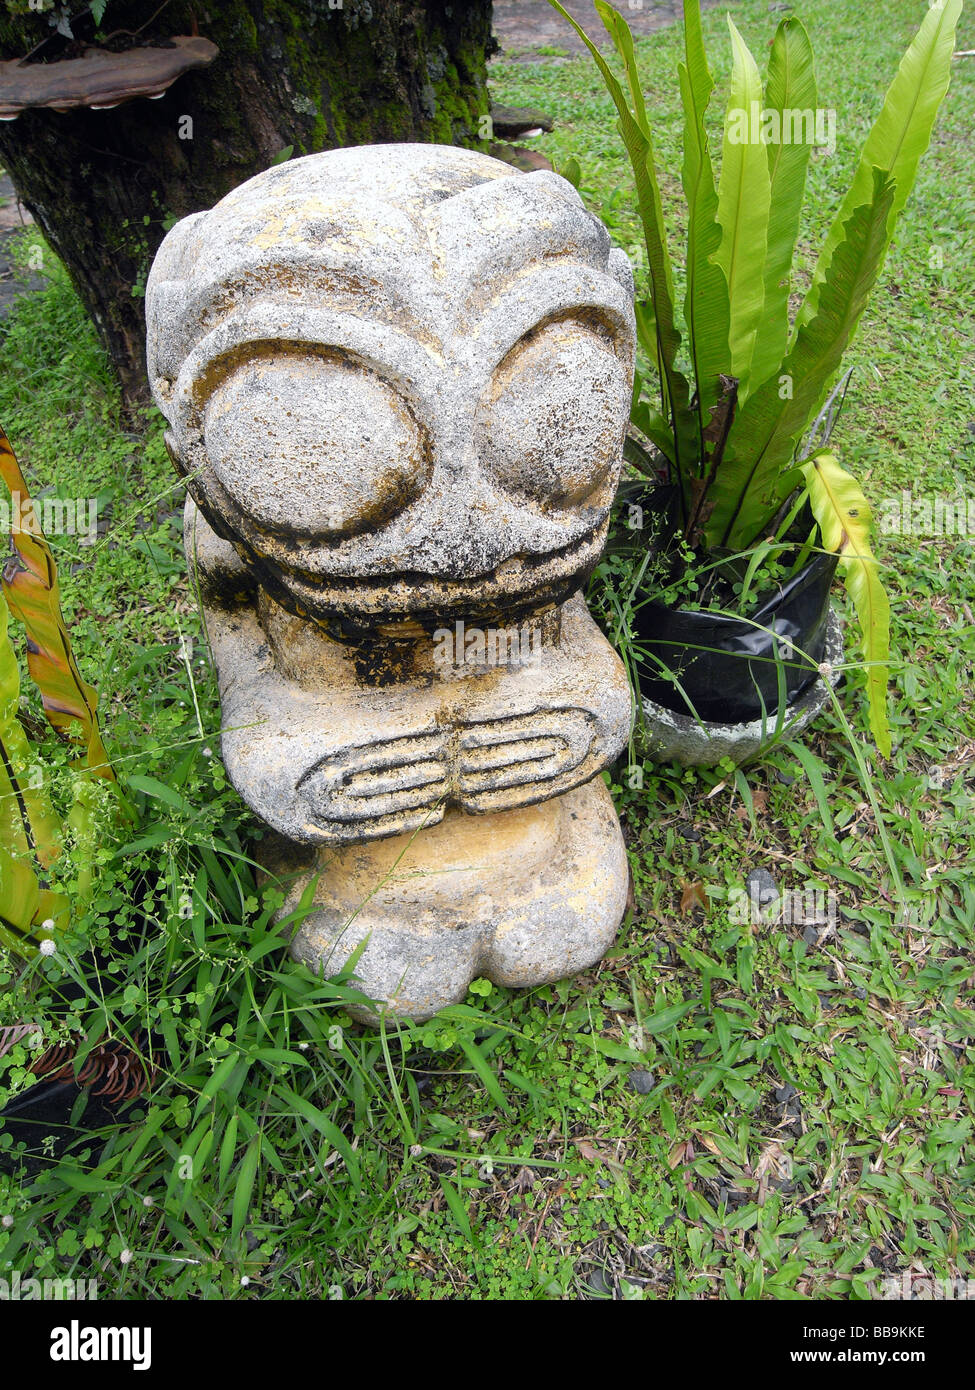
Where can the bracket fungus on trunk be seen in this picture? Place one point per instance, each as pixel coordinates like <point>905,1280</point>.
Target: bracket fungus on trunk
<point>99,78</point>
<point>397,380</point>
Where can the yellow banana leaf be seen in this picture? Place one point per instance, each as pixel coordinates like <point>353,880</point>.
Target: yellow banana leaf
<point>25,906</point>
<point>843,515</point>
<point>30,583</point>
<point>30,832</point>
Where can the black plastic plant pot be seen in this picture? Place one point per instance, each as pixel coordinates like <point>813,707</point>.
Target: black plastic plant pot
<point>60,1108</point>
<point>722,668</point>
<point>43,1122</point>
<point>728,669</point>
<point>68,1103</point>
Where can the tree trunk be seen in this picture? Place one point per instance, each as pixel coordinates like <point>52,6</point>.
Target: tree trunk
<point>105,185</point>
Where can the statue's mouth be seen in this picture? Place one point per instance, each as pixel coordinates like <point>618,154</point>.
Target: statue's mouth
<point>414,599</point>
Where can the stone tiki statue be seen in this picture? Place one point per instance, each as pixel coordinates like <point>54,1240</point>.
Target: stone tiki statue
<point>397,381</point>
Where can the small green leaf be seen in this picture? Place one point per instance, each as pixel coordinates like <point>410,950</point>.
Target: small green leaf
<point>457,1210</point>
<point>666,1018</point>
<point>245,1187</point>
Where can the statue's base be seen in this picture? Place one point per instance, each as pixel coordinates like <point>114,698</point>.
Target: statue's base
<point>521,897</point>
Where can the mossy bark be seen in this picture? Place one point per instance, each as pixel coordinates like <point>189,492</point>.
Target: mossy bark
<point>104,186</point>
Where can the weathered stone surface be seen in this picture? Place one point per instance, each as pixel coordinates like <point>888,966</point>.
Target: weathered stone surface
<point>333,742</point>
<point>397,382</point>
<point>509,122</point>
<point>521,897</point>
<point>414,290</point>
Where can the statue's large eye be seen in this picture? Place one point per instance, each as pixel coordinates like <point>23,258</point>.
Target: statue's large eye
<point>313,445</point>
<point>551,424</point>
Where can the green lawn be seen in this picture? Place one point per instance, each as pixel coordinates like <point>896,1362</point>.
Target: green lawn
<point>807,1129</point>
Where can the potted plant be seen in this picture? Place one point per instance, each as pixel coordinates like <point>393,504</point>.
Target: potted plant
<point>755,516</point>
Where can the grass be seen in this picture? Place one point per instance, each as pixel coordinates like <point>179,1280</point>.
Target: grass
<point>722,1108</point>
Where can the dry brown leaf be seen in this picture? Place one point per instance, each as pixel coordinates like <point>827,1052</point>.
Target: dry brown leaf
<point>593,1154</point>
<point>588,1150</point>
<point>692,896</point>
<point>524,1179</point>
<point>773,1160</point>
<point>682,1152</point>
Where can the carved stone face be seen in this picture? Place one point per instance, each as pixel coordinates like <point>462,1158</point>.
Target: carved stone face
<point>397,380</point>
